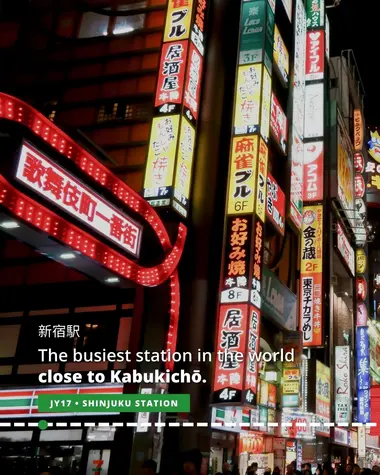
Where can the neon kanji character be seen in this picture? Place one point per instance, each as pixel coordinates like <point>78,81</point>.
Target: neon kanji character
<point>71,195</point>
<point>33,170</point>
<point>53,183</point>
<point>87,206</point>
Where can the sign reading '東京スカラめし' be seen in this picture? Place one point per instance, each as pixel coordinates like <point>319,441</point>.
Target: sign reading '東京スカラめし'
<point>311,275</point>
<point>59,187</point>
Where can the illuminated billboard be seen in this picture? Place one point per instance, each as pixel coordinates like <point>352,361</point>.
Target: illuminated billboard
<point>315,55</point>
<point>59,187</point>
<point>313,171</point>
<point>279,124</point>
<point>252,32</point>
<point>314,101</point>
<point>312,275</point>
<point>345,174</point>
<point>178,20</point>
<point>281,55</point>
<point>242,180</point>
<point>247,99</point>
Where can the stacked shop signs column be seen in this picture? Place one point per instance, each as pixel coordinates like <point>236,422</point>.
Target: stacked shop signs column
<point>169,166</point>
<point>361,284</point>
<point>238,333</point>
<point>311,292</point>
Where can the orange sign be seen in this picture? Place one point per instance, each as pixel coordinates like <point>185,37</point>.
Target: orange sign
<point>358,130</point>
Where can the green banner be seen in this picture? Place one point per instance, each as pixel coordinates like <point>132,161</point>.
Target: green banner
<point>315,14</point>
<point>269,40</point>
<point>114,403</point>
<point>252,32</point>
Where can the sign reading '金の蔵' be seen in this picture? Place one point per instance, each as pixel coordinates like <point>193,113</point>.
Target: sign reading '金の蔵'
<point>56,185</point>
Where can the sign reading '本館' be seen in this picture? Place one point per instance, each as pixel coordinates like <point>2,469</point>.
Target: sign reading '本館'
<point>59,187</point>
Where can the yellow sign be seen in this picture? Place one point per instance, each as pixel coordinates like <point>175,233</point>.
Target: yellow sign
<point>266,105</point>
<point>312,240</point>
<point>261,199</point>
<point>280,55</point>
<point>161,156</point>
<point>247,99</point>
<point>291,374</point>
<point>184,163</point>
<point>242,180</point>
<point>264,393</point>
<point>178,20</point>
<point>290,387</point>
<point>323,381</point>
<point>358,130</point>
<point>361,261</point>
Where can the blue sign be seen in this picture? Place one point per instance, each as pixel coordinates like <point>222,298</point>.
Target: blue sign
<point>362,358</point>
<point>364,412</point>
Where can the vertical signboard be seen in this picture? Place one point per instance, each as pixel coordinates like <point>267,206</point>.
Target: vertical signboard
<point>343,401</point>
<point>246,207</point>
<point>363,374</point>
<point>322,402</point>
<point>315,55</point>
<point>297,128</point>
<point>311,296</point>
<point>172,140</point>
<point>313,171</point>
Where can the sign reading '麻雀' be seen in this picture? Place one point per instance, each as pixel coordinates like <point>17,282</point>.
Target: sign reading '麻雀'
<point>59,187</point>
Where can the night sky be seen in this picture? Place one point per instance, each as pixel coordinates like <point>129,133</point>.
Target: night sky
<point>355,25</point>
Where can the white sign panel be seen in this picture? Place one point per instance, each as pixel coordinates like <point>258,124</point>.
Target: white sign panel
<point>327,39</point>
<point>143,417</point>
<point>299,68</point>
<point>314,111</point>
<point>56,185</point>
<point>345,248</point>
<point>361,441</point>
<point>342,384</point>
<point>301,422</point>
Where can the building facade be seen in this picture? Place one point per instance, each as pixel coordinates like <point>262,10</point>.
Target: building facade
<point>230,119</point>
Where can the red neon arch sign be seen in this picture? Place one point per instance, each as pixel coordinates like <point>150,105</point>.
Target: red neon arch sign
<point>15,110</point>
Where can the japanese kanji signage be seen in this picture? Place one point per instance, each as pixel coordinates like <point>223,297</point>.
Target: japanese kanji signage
<point>236,280</point>
<point>199,25</point>
<point>322,402</point>
<point>313,171</point>
<point>57,186</point>
<point>343,402</point>
<point>362,358</point>
<point>252,33</point>
<point>279,124</point>
<point>311,302</point>
<point>257,277</point>
<point>298,118</point>
<point>265,105</point>
<point>262,180</point>
<point>361,261</point>
<point>171,76</point>
<point>178,19</point>
<point>281,55</point>
<point>184,166</point>
<point>193,84</point>
<point>296,180</point>
<point>364,406</point>
<point>171,148</point>
<point>242,180</point>
<point>315,10</point>
<point>345,249</point>
<point>358,130</point>
<point>231,339</point>
<point>253,348</point>
<point>275,204</point>
<point>315,55</point>
<point>247,99</point>
<point>161,158</point>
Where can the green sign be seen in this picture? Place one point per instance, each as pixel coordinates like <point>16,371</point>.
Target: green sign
<point>252,32</point>
<point>315,14</point>
<point>278,302</point>
<point>114,403</point>
<point>269,40</point>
